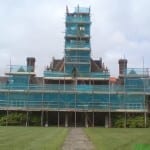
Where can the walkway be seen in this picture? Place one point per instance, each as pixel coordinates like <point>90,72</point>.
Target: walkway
<point>77,140</point>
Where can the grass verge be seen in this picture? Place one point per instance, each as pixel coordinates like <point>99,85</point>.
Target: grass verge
<point>119,138</point>
<point>32,138</point>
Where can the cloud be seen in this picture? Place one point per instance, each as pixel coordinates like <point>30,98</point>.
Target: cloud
<point>36,28</point>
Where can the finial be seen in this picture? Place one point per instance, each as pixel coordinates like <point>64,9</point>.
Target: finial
<point>67,11</point>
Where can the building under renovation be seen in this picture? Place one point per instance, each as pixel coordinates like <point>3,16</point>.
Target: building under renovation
<point>76,90</point>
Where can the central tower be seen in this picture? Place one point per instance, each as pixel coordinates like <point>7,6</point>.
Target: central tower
<point>77,64</point>
<point>77,41</point>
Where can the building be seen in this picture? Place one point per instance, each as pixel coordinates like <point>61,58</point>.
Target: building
<point>75,90</point>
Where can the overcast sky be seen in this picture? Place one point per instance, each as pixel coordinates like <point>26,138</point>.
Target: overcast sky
<point>120,28</point>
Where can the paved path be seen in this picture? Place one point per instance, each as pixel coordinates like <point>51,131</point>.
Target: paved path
<point>77,140</point>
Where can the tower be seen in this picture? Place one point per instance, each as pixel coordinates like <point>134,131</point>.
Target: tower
<point>77,41</point>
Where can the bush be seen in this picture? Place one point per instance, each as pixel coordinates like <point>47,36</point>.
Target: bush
<point>34,120</point>
<point>134,121</point>
<point>118,121</point>
<point>19,118</point>
<point>13,119</point>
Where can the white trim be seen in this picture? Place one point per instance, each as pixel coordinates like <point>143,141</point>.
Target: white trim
<point>78,78</point>
<point>20,73</point>
<point>85,49</point>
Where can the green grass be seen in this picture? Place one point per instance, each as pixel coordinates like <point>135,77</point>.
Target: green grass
<point>38,138</point>
<point>142,147</point>
<point>119,138</point>
<point>31,138</point>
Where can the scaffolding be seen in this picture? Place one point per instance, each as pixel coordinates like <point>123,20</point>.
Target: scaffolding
<point>130,96</point>
<point>75,83</point>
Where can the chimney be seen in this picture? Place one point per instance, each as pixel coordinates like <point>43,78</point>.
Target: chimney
<point>122,66</point>
<point>30,64</point>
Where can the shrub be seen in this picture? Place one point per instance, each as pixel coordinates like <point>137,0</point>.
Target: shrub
<point>13,119</point>
<point>134,121</point>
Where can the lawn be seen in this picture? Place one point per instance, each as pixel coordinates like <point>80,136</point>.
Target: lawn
<point>119,138</point>
<point>31,138</point>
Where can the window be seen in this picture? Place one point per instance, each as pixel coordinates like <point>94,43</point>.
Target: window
<point>81,28</point>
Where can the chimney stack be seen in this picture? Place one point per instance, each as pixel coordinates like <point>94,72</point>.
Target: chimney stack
<point>122,66</point>
<point>30,64</point>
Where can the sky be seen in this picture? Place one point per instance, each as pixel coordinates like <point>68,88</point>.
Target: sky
<point>35,28</point>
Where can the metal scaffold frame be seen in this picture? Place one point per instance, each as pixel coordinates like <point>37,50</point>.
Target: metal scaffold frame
<point>76,84</point>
